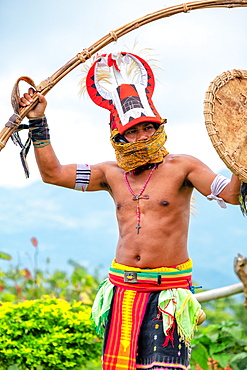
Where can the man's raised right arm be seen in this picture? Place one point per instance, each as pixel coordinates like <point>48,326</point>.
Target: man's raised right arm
<point>52,172</point>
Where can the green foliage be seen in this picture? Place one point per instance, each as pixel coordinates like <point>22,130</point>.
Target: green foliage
<point>47,334</point>
<point>221,342</point>
<point>224,343</point>
<point>227,309</point>
<point>5,256</point>
<point>18,284</point>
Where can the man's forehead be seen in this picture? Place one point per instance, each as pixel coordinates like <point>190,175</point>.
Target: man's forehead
<point>141,124</point>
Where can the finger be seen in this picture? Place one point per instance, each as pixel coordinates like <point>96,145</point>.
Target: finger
<point>31,91</point>
<point>25,100</point>
<point>22,104</point>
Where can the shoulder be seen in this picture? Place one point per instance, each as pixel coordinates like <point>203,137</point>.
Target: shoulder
<point>182,159</point>
<point>188,167</point>
<point>102,175</point>
<point>104,167</point>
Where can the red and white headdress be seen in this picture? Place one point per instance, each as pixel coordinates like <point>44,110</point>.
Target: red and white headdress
<point>129,104</point>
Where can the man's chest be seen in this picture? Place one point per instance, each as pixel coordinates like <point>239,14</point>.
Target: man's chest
<point>155,194</point>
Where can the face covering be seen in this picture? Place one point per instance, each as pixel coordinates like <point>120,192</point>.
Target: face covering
<point>130,156</point>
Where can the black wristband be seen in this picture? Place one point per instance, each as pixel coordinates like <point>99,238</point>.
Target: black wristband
<point>39,132</point>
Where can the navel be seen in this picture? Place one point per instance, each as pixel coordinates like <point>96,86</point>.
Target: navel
<point>119,206</point>
<point>164,203</point>
<point>138,257</point>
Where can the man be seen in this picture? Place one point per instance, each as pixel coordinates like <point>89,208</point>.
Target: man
<point>146,307</point>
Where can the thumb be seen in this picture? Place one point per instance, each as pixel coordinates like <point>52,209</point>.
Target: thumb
<point>42,99</point>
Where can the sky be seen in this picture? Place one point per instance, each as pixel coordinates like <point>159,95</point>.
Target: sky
<point>191,49</point>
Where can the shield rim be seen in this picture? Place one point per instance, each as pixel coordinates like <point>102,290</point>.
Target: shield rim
<point>211,126</point>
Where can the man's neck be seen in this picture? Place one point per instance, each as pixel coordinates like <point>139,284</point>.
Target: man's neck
<point>142,168</point>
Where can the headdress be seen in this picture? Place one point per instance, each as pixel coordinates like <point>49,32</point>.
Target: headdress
<point>129,103</point>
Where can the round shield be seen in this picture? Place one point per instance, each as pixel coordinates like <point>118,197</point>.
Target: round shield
<point>225,112</point>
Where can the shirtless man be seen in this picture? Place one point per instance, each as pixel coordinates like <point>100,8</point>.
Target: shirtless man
<point>164,216</point>
<point>153,234</point>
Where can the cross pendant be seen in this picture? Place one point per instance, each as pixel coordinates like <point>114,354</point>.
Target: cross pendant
<point>137,197</point>
<point>137,229</point>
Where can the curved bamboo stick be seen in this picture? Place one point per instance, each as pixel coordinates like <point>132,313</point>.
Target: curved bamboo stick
<point>46,85</point>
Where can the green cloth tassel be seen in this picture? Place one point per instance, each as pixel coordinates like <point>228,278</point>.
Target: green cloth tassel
<point>101,305</point>
<point>184,307</point>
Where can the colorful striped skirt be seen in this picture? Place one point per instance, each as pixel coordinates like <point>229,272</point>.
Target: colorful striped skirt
<point>147,323</point>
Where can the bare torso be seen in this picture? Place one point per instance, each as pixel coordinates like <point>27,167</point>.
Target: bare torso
<point>164,217</point>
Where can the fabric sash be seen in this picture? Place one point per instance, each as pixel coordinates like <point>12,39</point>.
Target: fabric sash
<point>162,278</point>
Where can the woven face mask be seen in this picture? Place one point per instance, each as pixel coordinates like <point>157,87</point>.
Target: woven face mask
<point>133,155</point>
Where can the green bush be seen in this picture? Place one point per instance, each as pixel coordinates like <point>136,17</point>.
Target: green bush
<point>47,334</point>
<point>225,344</point>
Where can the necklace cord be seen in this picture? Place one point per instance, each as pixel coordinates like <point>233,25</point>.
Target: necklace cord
<point>139,196</point>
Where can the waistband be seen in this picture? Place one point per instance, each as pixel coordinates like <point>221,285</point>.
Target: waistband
<point>162,278</point>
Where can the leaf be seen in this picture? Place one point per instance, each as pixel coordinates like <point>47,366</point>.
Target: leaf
<point>5,256</point>
<point>223,358</point>
<point>213,337</point>
<point>202,339</point>
<point>210,328</point>
<point>200,356</point>
<point>220,347</point>
<point>234,331</point>
<point>239,356</point>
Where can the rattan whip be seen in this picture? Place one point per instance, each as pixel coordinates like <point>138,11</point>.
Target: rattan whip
<point>47,84</point>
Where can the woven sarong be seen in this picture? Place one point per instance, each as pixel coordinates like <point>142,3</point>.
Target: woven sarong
<point>127,314</point>
<point>128,308</point>
<point>156,349</point>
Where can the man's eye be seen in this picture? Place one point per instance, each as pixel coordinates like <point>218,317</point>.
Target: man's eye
<point>130,132</point>
<point>149,128</point>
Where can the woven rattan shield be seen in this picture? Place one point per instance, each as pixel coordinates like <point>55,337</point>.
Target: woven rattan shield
<point>45,86</point>
<point>225,111</point>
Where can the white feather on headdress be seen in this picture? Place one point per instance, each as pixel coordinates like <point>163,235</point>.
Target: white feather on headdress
<point>130,70</point>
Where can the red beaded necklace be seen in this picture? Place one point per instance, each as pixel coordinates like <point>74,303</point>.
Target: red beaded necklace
<point>139,196</point>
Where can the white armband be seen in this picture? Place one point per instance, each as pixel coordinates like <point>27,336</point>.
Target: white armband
<point>83,173</point>
<point>217,186</point>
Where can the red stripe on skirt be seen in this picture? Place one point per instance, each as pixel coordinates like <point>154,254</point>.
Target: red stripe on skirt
<point>115,356</point>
